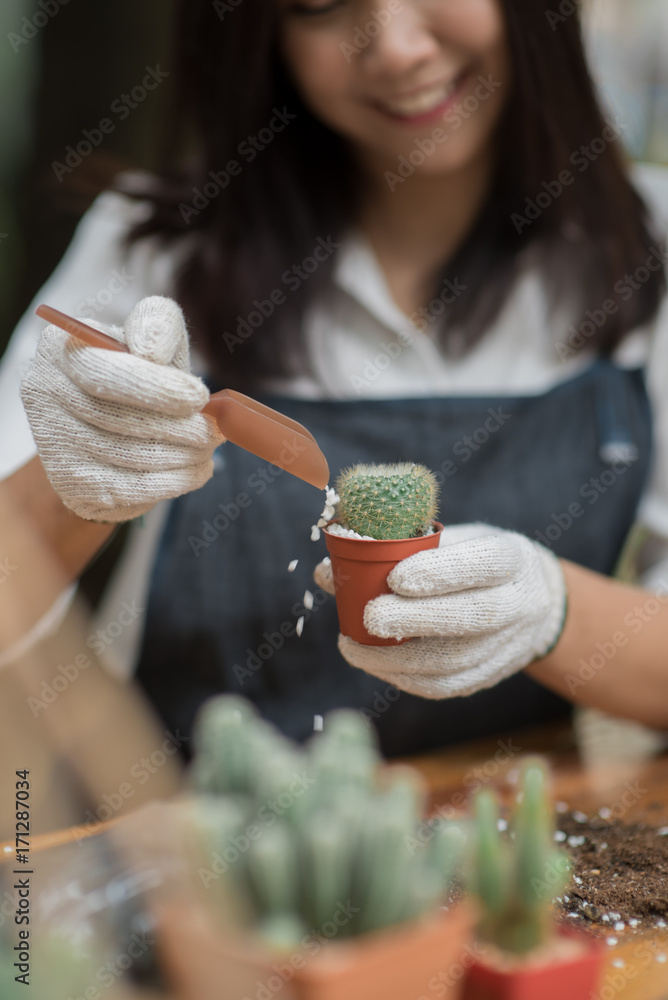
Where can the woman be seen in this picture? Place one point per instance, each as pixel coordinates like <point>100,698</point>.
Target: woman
<point>411,230</point>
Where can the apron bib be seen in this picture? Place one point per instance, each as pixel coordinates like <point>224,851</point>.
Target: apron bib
<point>566,468</point>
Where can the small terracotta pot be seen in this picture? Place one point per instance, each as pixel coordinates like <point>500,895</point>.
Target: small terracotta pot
<point>575,978</point>
<point>204,963</point>
<point>360,568</point>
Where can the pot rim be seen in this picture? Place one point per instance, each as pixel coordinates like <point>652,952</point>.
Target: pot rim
<point>593,947</point>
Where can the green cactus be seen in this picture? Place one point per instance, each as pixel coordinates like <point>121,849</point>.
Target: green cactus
<point>387,501</point>
<point>307,831</point>
<point>516,875</point>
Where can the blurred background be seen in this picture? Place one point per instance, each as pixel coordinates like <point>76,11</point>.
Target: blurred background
<point>65,63</point>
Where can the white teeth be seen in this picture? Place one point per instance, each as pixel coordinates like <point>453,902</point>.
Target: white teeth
<point>419,103</point>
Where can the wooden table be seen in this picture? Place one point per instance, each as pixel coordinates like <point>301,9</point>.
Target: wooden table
<point>450,773</point>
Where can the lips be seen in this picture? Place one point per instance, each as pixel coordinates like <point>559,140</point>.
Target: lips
<point>421,102</point>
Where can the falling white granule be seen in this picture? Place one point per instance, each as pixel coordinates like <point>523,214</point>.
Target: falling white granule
<point>618,963</point>
<point>561,807</point>
<point>293,566</point>
<point>604,813</point>
<point>619,926</point>
<point>612,941</point>
<point>661,958</point>
<point>559,836</point>
<point>317,723</point>
<point>328,511</point>
<point>315,533</point>
<point>308,600</point>
<point>579,817</point>
<point>502,824</point>
<point>633,922</point>
<point>300,625</point>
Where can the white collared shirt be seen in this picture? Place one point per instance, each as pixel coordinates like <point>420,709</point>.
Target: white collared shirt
<point>353,335</point>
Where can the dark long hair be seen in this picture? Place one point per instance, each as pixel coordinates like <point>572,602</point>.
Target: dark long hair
<point>302,186</point>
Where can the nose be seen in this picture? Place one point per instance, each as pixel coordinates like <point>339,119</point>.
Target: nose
<point>403,44</point>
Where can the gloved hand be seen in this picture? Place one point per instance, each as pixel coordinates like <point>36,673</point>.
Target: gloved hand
<point>118,432</point>
<point>480,607</point>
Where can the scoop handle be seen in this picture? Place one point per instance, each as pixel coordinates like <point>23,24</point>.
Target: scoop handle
<point>91,336</point>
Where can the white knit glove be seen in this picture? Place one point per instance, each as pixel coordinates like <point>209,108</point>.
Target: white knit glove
<point>480,607</point>
<point>118,432</point>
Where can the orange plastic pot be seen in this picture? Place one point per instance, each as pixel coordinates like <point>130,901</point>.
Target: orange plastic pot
<point>360,568</point>
<point>202,962</point>
<point>575,978</point>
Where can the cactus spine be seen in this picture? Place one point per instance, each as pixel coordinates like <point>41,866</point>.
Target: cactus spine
<point>387,501</point>
<point>307,832</point>
<point>516,875</point>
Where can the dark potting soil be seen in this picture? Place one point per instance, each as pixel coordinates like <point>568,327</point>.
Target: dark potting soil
<point>619,883</point>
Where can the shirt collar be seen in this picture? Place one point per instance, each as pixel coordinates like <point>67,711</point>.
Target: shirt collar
<point>358,273</point>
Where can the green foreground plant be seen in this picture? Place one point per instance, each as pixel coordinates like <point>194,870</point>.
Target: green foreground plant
<point>387,501</point>
<point>295,836</point>
<point>516,874</point>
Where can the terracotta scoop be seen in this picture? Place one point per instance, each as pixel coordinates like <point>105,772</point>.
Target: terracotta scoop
<point>245,422</point>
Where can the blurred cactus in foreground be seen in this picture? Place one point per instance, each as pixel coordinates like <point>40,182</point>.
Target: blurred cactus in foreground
<point>313,837</point>
<point>515,875</point>
<point>387,501</point>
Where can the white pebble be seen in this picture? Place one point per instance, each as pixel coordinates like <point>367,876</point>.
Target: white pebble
<point>567,899</point>
<point>661,923</point>
<point>559,836</point>
<point>633,922</point>
<point>577,879</point>
<point>331,496</point>
<point>308,600</point>
<point>300,625</point>
<point>604,813</point>
<point>602,847</point>
<point>575,841</point>
<point>619,926</point>
<point>611,941</point>
<point>315,533</point>
<point>614,916</point>
<point>605,918</point>
<point>579,817</point>
<point>577,915</point>
<point>618,963</point>
<point>292,566</point>
<point>337,529</point>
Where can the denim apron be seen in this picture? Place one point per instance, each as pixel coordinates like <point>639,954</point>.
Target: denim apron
<point>567,468</point>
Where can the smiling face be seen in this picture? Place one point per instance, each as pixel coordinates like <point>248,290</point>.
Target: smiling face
<point>396,77</point>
